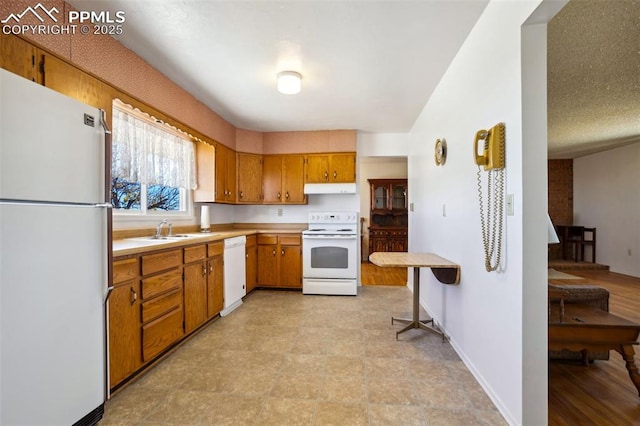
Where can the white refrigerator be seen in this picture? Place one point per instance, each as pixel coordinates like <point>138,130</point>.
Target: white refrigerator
<point>54,257</point>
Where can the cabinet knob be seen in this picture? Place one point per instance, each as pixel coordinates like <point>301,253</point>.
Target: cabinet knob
<point>210,268</point>
<point>241,194</point>
<point>279,195</point>
<point>134,296</point>
<point>335,174</point>
<point>286,195</point>
<point>283,252</point>
<point>326,175</point>
<point>204,270</point>
<point>274,253</point>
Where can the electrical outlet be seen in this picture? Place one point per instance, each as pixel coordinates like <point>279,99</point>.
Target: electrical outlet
<point>279,212</point>
<point>628,252</point>
<point>410,207</point>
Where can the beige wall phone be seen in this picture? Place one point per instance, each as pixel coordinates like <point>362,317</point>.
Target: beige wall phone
<point>492,159</point>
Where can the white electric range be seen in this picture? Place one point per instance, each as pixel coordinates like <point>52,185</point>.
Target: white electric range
<point>330,254</point>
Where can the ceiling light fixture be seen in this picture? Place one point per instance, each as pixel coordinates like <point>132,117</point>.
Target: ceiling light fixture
<point>289,82</point>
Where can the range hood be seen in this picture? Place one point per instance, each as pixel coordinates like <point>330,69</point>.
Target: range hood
<point>329,188</point>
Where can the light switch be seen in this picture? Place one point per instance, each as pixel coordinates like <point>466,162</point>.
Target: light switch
<point>509,204</point>
<point>410,207</point>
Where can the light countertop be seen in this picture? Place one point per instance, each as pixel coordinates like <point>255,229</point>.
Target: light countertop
<point>137,245</point>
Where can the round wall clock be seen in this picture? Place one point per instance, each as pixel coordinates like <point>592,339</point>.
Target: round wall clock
<point>440,151</point>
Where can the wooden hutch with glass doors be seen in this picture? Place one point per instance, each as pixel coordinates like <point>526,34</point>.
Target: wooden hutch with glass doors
<point>388,215</point>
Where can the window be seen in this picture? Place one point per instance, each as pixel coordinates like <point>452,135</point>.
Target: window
<point>153,165</point>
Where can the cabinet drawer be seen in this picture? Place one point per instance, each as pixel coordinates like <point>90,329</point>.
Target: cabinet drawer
<point>161,305</point>
<point>215,249</point>
<point>267,239</point>
<point>193,254</point>
<point>161,333</point>
<point>159,262</point>
<point>125,270</point>
<point>290,240</point>
<point>161,283</point>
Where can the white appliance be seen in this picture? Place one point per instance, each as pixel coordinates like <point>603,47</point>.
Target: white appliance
<point>235,274</point>
<point>54,257</point>
<point>330,253</point>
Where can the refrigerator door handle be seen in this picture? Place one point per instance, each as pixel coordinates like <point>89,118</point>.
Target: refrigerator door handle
<point>109,290</point>
<point>103,121</point>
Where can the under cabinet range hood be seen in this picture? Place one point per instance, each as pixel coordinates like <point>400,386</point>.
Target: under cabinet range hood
<point>329,188</point>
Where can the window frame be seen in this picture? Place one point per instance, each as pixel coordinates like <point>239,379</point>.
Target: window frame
<point>186,195</point>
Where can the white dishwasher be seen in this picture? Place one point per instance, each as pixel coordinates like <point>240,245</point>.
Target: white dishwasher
<point>234,273</point>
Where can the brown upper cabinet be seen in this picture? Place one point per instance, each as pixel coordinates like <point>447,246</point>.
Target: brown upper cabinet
<point>216,168</point>
<point>225,174</point>
<point>249,178</point>
<point>205,165</point>
<point>20,57</point>
<point>332,168</point>
<point>26,60</point>
<point>283,179</point>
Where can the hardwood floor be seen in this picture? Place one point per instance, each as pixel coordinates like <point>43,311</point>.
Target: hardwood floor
<point>602,393</point>
<point>371,274</point>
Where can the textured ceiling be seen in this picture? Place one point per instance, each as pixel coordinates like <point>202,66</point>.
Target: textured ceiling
<point>593,77</point>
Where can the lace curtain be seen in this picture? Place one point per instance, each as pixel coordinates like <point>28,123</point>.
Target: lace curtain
<point>145,153</point>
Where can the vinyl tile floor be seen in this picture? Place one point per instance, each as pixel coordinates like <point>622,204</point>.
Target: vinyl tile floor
<point>283,358</point>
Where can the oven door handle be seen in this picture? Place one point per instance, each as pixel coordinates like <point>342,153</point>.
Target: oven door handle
<point>329,237</point>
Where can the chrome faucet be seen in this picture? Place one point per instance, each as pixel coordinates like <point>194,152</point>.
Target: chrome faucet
<point>159,228</point>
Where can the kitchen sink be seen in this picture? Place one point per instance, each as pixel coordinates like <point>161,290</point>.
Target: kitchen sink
<point>169,237</point>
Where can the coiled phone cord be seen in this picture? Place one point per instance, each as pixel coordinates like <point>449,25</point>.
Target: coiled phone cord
<point>492,226</point>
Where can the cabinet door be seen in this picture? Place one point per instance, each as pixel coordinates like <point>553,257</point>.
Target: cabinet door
<point>342,168</point>
<point>317,169</point>
<point>293,181</point>
<point>290,266</point>
<point>19,57</point>
<point>379,197</point>
<point>195,295</point>
<point>231,179</point>
<point>272,179</point>
<point>221,157</point>
<point>379,244</point>
<point>398,196</point>
<point>125,336</point>
<point>249,178</point>
<point>268,265</point>
<point>215,286</point>
<point>205,155</point>
<point>251,264</point>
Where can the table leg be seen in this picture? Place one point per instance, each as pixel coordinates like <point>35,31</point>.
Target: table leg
<point>415,322</point>
<point>627,354</point>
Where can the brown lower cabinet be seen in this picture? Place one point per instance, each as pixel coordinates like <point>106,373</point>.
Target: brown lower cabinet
<point>125,334</point>
<point>158,298</point>
<point>280,260</point>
